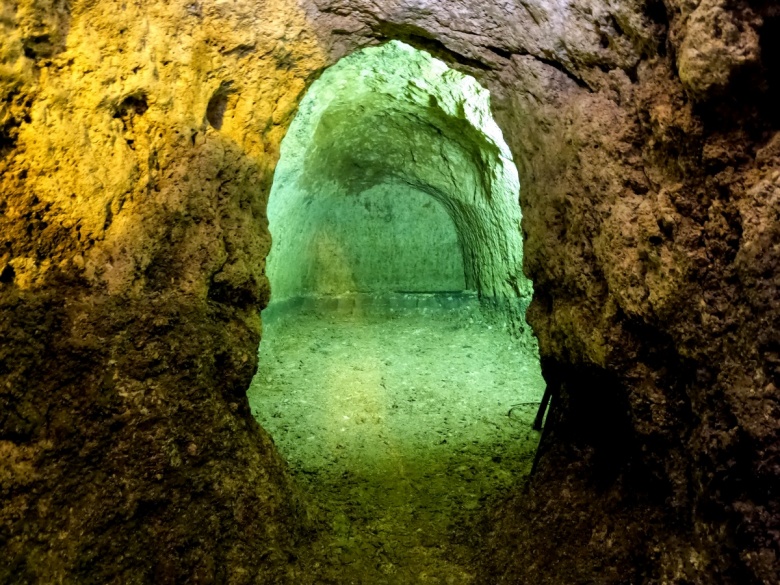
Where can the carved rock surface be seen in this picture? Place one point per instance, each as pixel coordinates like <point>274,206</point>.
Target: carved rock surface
<point>392,115</point>
<point>137,146</point>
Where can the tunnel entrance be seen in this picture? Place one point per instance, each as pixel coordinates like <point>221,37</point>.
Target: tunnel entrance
<point>396,373</point>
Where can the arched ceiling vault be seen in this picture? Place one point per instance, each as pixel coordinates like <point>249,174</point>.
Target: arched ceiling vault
<point>393,114</point>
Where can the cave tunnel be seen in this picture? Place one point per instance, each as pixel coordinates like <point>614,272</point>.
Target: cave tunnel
<point>394,128</point>
<point>283,283</point>
<point>396,373</point>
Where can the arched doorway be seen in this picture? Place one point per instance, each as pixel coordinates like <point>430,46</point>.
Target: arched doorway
<point>395,371</point>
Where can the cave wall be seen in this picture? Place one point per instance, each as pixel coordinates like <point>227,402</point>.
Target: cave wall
<point>388,238</point>
<point>137,147</point>
<point>646,204</point>
<point>136,151</point>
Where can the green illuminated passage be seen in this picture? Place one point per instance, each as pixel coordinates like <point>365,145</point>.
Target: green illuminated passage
<point>401,405</point>
<point>394,177</point>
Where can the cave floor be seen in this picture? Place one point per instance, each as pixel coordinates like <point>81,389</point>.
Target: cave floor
<point>403,428</point>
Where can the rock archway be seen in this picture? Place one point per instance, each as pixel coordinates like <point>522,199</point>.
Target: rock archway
<point>137,146</point>
<point>394,116</point>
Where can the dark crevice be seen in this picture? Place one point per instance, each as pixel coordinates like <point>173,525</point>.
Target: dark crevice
<point>215,112</point>
<point>132,105</point>
<point>633,73</point>
<point>655,10</point>
<point>109,216</point>
<point>421,39</point>
<point>616,25</point>
<point>503,53</point>
<point>506,54</point>
<point>555,64</point>
<point>591,412</point>
<point>38,46</point>
<point>8,133</point>
<point>241,51</point>
<point>7,141</point>
<point>8,274</point>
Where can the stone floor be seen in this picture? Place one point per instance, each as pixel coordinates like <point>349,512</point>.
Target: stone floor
<point>403,418</point>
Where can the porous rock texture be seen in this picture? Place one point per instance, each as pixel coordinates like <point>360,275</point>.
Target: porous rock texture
<point>138,142</point>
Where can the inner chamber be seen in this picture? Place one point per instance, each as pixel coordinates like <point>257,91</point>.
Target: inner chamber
<point>397,374</point>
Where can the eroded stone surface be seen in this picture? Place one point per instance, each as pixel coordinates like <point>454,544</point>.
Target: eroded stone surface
<point>131,227</point>
<point>384,239</point>
<point>133,233</point>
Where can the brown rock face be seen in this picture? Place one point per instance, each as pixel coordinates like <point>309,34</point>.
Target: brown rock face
<point>137,146</point>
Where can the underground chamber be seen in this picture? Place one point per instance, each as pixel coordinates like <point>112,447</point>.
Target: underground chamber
<point>396,372</point>
<point>138,144</point>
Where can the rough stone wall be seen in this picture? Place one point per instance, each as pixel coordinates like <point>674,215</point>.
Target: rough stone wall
<point>137,144</point>
<point>387,239</point>
<point>651,222</point>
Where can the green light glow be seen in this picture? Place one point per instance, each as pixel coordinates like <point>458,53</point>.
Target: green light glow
<point>375,133</point>
<point>401,414</point>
